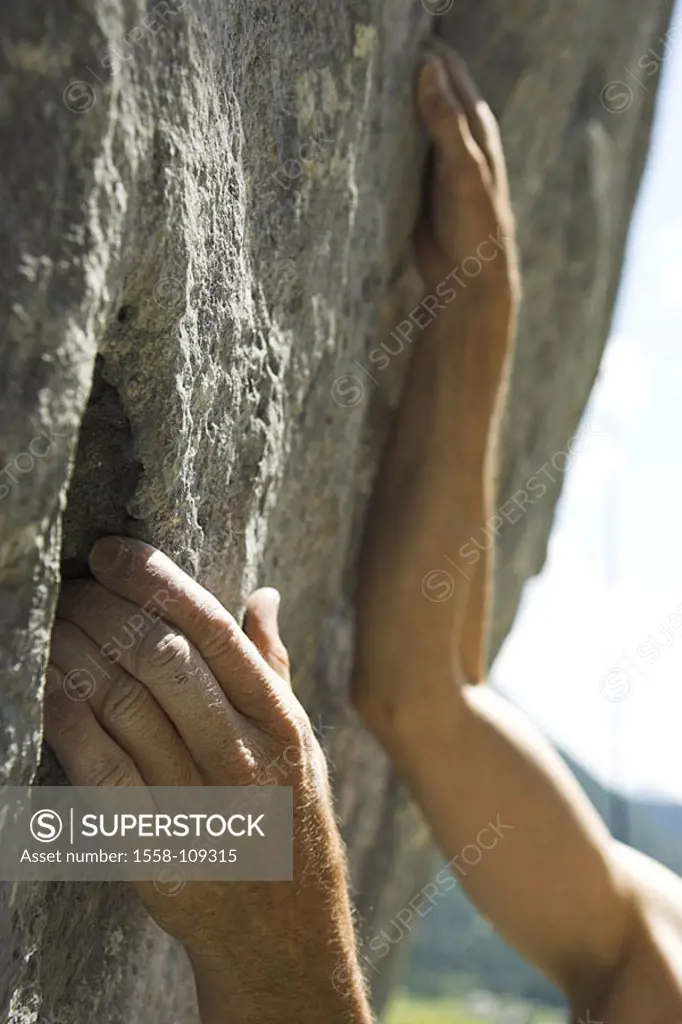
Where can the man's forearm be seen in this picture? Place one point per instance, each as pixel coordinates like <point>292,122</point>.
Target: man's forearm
<point>434,493</point>
<point>448,411</point>
<point>459,409</point>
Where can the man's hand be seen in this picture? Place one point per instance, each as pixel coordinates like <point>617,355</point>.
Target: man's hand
<point>185,698</point>
<point>467,211</point>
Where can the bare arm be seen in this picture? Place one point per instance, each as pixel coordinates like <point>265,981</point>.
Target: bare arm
<point>553,882</point>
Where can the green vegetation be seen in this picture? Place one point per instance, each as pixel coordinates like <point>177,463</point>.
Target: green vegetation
<point>406,1010</point>
<point>431,1011</point>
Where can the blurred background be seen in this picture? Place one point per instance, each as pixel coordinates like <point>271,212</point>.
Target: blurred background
<point>595,657</point>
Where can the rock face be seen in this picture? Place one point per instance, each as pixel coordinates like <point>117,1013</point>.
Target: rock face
<point>206,212</point>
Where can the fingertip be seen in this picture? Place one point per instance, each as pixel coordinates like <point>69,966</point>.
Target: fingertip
<point>435,94</point>
<point>109,555</point>
<point>272,597</point>
<point>263,607</point>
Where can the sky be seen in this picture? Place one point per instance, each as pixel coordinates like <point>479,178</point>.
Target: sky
<point>595,656</point>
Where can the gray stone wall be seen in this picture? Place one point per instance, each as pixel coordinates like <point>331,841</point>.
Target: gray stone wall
<point>205,214</point>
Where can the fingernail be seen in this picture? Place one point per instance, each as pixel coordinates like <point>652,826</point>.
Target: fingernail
<point>109,556</point>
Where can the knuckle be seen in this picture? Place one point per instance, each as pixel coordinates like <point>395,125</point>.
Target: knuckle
<point>200,612</point>
<point>214,627</point>
<point>161,652</point>
<point>220,635</point>
<point>124,700</point>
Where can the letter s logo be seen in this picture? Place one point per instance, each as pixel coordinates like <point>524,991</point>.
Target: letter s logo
<point>46,826</point>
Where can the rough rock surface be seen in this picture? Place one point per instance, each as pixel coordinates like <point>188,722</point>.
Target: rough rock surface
<point>204,207</point>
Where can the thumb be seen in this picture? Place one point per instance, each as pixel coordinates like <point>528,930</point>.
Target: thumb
<point>260,625</point>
